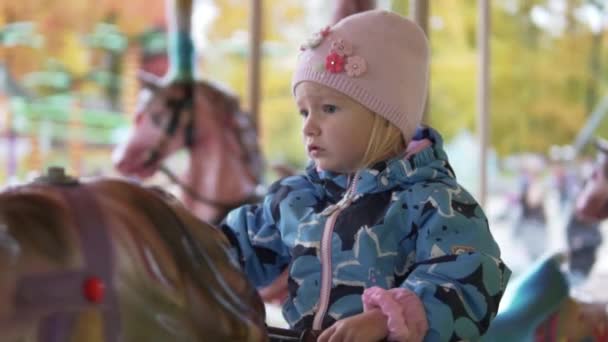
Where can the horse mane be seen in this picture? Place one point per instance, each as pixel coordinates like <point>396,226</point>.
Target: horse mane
<point>23,223</point>
<point>199,253</point>
<point>227,102</point>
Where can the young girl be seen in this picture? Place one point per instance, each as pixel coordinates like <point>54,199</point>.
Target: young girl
<point>379,240</point>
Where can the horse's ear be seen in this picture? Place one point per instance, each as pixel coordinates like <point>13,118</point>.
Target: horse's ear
<point>149,80</point>
<point>601,145</point>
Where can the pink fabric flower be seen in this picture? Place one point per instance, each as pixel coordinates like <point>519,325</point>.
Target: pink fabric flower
<point>325,31</point>
<point>355,66</point>
<point>341,47</point>
<point>334,63</point>
<point>406,318</point>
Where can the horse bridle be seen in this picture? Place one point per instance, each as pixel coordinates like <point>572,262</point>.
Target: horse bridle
<point>177,106</point>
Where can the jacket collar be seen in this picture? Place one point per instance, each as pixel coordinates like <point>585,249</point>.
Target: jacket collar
<point>429,164</point>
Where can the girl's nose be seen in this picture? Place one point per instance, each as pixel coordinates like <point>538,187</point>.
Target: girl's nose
<point>310,126</point>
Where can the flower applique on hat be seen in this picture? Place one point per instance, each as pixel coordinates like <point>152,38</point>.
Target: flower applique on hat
<point>316,39</point>
<point>341,58</point>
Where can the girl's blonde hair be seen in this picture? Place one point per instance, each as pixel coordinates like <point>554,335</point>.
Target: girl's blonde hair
<point>385,141</point>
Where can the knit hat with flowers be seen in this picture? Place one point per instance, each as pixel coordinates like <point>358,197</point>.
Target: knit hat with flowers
<point>377,58</point>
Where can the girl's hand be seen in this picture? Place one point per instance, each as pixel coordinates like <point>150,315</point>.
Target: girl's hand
<point>276,292</point>
<point>368,326</point>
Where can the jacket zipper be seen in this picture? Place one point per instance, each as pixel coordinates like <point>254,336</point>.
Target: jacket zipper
<point>333,211</point>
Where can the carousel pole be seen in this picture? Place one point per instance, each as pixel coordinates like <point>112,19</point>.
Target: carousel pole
<point>419,12</point>
<point>34,159</point>
<point>255,43</point>
<point>483,94</point>
<point>129,81</point>
<point>76,138</point>
<point>11,155</point>
<point>11,163</point>
<point>180,48</point>
<point>344,8</point>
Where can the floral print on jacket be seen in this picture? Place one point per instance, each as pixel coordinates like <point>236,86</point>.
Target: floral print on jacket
<point>411,225</point>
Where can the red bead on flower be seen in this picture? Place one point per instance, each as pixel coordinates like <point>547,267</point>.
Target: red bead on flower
<point>334,63</point>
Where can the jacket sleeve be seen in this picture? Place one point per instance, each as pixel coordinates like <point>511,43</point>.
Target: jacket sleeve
<point>253,232</point>
<point>457,272</point>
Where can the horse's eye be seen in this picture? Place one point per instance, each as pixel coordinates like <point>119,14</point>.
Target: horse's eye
<point>139,118</point>
<point>157,118</point>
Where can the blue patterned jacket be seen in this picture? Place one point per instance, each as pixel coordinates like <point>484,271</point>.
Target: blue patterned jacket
<point>407,224</point>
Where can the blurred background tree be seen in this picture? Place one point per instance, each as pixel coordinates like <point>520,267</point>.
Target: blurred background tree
<point>547,71</point>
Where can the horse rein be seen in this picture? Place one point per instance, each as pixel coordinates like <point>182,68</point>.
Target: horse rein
<point>254,197</point>
<point>177,107</point>
<point>63,295</point>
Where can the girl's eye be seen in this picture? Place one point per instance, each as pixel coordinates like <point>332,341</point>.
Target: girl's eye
<point>329,108</point>
<point>303,113</point>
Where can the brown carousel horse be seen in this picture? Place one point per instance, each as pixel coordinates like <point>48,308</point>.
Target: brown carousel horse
<point>108,260</point>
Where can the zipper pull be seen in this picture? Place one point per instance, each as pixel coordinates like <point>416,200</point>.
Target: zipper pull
<point>329,210</point>
<point>348,199</point>
<point>343,204</point>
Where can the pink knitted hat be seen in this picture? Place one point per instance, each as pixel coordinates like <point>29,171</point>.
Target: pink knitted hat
<point>377,58</point>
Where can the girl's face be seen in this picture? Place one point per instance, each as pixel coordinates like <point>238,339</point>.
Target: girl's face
<point>336,128</point>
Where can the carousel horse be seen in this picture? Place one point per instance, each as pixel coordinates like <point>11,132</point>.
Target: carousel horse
<point>108,260</point>
<point>592,203</point>
<point>224,161</point>
<point>541,305</point>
